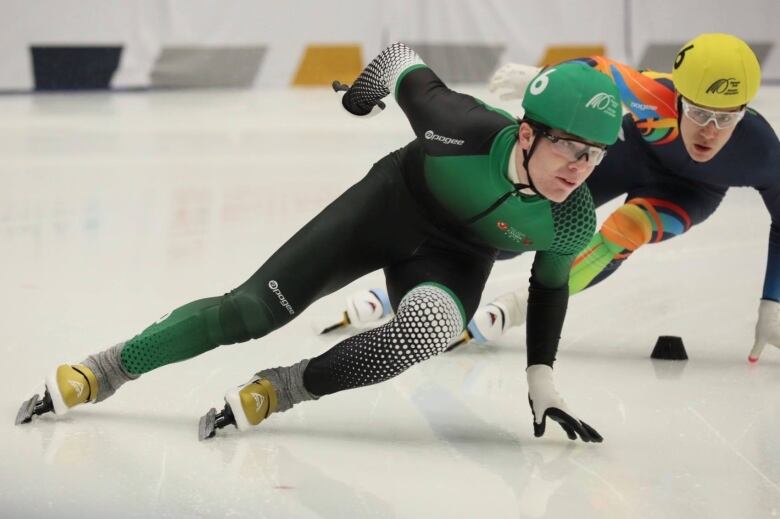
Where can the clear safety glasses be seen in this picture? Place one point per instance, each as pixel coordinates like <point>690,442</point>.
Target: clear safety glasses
<point>703,116</point>
<point>573,149</point>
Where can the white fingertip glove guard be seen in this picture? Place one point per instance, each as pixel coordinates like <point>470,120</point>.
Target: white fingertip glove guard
<point>547,403</point>
<point>767,328</point>
<point>512,79</point>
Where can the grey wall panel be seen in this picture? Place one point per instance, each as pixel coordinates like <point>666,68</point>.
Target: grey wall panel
<point>460,63</point>
<point>660,56</point>
<point>207,67</point>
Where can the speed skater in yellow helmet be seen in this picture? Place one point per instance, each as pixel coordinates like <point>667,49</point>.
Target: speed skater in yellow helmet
<point>717,71</point>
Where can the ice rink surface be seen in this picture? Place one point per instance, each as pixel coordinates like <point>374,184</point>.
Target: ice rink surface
<point>116,208</point>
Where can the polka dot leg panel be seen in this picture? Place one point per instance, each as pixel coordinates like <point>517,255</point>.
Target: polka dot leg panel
<point>159,345</point>
<point>427,320</point>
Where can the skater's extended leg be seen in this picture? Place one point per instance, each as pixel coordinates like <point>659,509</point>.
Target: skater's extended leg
<point>428,318</point>
<point>333,249</point>
<point>440,288</point>
<point>188,331</point>
<point>348,239</point>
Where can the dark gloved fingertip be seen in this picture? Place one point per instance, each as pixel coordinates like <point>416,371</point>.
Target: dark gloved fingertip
<point>338,86</point>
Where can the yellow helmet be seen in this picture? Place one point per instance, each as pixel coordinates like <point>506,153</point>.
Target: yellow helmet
<point>717,70</point>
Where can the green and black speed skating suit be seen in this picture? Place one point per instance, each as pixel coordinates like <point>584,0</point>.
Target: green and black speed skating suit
<point>433,215</point>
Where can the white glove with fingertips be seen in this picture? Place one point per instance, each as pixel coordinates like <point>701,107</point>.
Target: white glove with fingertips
<point>767,328</point>
<point>512,79</point>
<point>546,403</point>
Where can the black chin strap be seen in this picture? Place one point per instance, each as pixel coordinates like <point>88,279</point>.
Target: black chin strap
<point>517,187</point>
<point>526,159</point>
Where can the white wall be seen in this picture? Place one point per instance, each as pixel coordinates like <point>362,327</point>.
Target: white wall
<point>524,28</point>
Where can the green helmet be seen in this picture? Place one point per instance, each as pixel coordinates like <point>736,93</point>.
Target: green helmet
<point>577,99</point>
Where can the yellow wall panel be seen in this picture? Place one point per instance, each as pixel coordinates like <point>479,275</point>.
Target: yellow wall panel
<point>321,64</point>
<point>557,53</point>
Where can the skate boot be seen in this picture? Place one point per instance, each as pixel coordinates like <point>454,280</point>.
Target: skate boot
<point>245,407</point>
<point>493,320</point>
<point>66,387</point>
<point>364,308</point>
<point>270,391</point>
<point>70,385</point>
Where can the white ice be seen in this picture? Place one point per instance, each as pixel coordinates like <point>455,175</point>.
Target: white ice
<point>116,208</point>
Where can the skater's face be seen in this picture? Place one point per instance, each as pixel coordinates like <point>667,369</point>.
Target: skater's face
<point>560,162</point>
<point>705,130</point>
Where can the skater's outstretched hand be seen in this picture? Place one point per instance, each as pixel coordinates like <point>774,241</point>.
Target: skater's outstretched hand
<point>547,403</point>
<point>767,328</point>
<point>356,102</point>
<point>512,79</point>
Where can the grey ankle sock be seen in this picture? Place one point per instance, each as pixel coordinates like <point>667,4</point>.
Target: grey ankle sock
<point>108,370</point>
<point>288,384</point>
